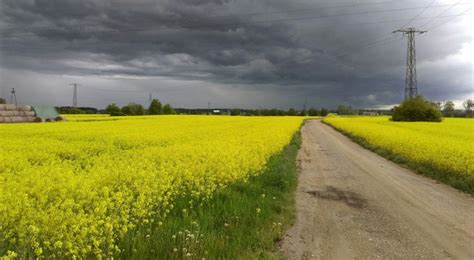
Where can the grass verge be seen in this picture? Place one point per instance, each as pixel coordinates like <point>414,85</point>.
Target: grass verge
<point>461,182</point>
<point>242,221</point>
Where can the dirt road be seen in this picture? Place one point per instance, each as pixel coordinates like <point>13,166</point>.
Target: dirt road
<point>352,203</point>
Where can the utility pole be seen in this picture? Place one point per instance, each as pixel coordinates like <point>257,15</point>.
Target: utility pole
<point>13,97</point>
<point>150,98</point>
<point>74,98</point>
<point>410,77</point>
<point>209,107</point>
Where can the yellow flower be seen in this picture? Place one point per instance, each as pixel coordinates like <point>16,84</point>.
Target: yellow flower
<point>38,251</point>
<point>85,185</point>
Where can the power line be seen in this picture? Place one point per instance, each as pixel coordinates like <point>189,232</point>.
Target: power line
<point>306,10</point>
<point>193,25</point>
<point>391,39</point>
<point>113,90</point>
<point>445,10</point>
<point>449,20</point>
<point>26,49</point>
<point>367,45</point>
<point>418,14</point>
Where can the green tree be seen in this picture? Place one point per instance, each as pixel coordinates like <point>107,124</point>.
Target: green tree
<point>113,109</point>
<point>70,110</point>
<point>324,112</point>
<point>416,109</point>
<point>468,105</point>
<point>168,110</point>
<point>344,110</point>
<point>2,101</point>
<point>235,112</point>
<point>448,109</point>
<point>313,112</point>
<point>155,107</point>
<point>133,109</point>
<point>291,112</point>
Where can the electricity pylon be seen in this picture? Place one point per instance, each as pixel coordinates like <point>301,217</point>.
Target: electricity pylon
<point>13,97</point>
<point>410,77</point>
<point>74,97</point>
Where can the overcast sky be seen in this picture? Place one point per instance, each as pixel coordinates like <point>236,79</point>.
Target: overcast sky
<point>233,53</point>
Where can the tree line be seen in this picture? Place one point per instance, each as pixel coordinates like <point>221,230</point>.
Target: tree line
<point>447,109</point>
<point>131,109</point>
<point>274,112</point>
<point>134,109</point>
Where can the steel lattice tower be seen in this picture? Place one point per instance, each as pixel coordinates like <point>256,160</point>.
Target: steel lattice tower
<point>74,97</point>
<point>410,77</point>
<point>13,97</point>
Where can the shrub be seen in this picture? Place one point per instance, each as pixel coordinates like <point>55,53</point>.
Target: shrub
<point>416,109</point>
<point>168,110</point>
<point>155,107</point>
<point>70,110</point>
<point>133,109</point>
<point>113,110</point>
<point>314,112</point>
<point>324,112</point>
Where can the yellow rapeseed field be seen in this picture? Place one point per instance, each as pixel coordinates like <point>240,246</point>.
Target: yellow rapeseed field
<point>76,188</point>
<point>445,146</point>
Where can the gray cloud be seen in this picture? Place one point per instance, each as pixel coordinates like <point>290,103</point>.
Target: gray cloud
<point>236,53</point>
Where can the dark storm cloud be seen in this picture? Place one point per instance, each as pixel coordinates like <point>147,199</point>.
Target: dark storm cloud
<point>274,47</point>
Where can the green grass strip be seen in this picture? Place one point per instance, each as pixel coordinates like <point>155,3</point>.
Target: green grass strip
<point>242,221</point>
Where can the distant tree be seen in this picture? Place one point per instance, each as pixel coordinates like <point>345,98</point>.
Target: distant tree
<point>313,112</point>
<point>69,110</point>
<point>416,109</point>
<point>113,110</point>
<point>133,109</point>
<point>126,110</point>
<point>303,112</point>
<point>448,109</point>
<point>89,110</point>
<point>235,112</point>
<point>468,106</point>
<point>291,112</point>
<point>2,101</point>
<point>168,110</point>
<point>155,107</point>
<point>324,112</point>
<point>344,110</point>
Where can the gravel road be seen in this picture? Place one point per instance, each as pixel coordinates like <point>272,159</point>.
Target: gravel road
<point>352,203</point>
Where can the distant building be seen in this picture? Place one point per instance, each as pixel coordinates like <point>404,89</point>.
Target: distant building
<point>370,113</point>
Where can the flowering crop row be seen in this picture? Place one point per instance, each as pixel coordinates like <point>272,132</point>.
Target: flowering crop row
<point>445,146</point>
<point>77,188</point>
